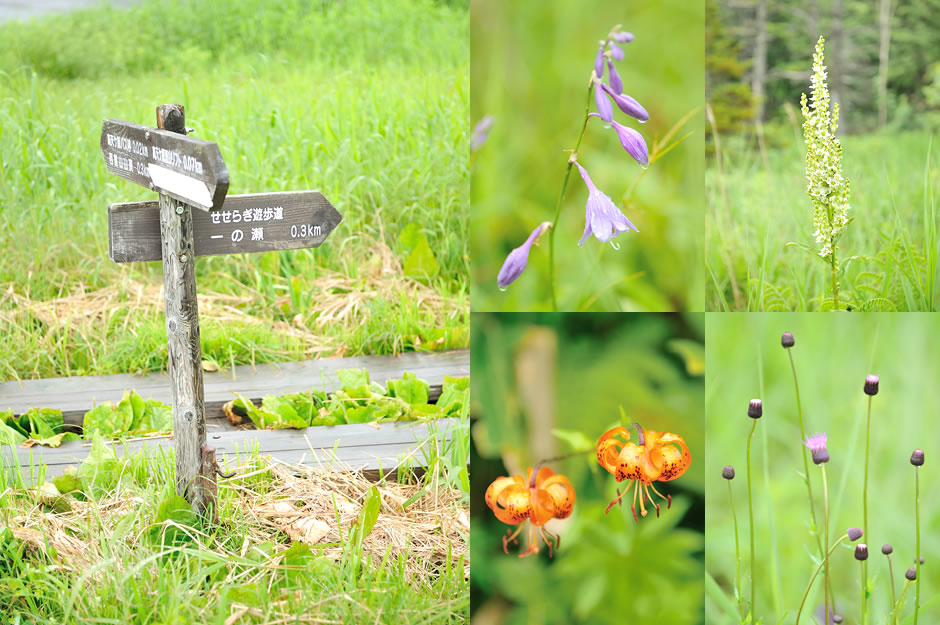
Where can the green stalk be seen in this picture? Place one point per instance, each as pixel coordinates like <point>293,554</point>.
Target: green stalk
<point>894,597</point>
<point>822,467</point>
<point>750,507</point>
<point>561,196</point>
<point>917,530</point>
<point>865,512</point>
<point>900,603</point>
<point>813,578</point>
<point>737,550</point>
<point>835,282</point>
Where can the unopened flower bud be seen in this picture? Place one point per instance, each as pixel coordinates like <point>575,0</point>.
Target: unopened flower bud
<point>728,473</point>
<point>887,549</point>
<point>854,533</point>
<point>861,551</point>
<point>917,458</point>
<point>911,574</point>
<point>787,340</point>
<point>871,385</point>
<point>755,409</point>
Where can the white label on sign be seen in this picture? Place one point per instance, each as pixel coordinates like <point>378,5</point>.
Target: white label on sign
<point>195,191</point>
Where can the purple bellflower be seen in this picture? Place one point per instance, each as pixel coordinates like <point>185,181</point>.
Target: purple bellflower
<point>615,83</point>
<point>517,259</point>
<point>622,37</point>
<point>632,142</point>
<point>601,217</point>
<point>599,62</point>
<point>616,51</point>
<point>627,104</point>
<point>604,109</point>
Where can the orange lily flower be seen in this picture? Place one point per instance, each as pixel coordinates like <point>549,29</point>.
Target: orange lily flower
<point>541,498</point>
<point>658,456</point>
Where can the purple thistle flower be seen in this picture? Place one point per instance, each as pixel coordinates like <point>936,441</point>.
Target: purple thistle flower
<point>632,142</point>
<point>622,37</point>
<point>601,217</point>
<point>480,132</point>
<point>615,83</point>
<point>604,109</point>
<point>599,62</point>
<point>616,51</point>
<point>627,104</point>
<point>817,445</point>
<point>518,258</point>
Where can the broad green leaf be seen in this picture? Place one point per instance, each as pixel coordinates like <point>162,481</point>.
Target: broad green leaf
<point>361,414</point>
<point>108,419</point>
<point>352,378</point>
<point>44,422</point>
<point>425,411</point>
<point>578,441</point>
<point>159,415</point>
<point>138,409</point>
<point>9,435</point>
<point>173,511</point>
<point>409,388</point>
<point>421,263</point>
<point>58,439</point>
<point>68,481</point>
<point>692,353</point>
<point>101,469</point>
<point>369,513</point>
<point>285,415</point>
<point>409,237</point>
<point>455,394</point>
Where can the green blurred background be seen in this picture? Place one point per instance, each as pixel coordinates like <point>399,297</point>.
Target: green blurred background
<point>531,65</point>
<point>745,360</point>
<point>539,372</point>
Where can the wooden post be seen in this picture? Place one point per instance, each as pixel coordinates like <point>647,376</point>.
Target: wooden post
<point>182,333</point>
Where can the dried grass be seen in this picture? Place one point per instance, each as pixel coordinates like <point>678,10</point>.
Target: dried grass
<point>298,503</point>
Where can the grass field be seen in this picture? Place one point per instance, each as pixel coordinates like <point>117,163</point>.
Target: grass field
<point>531,65</point>
<point>745,360</point>
<point>890,253</point>
<point>367,102</point>
<point>287,548</point>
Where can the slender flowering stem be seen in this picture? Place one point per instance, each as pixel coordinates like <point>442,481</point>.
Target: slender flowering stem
<point>894,598</point>
<point>917,543</point>
<point>815,575</point>
<point>900,602</point>
<point>737,550</point>
<point>561,196</point>
<point>750,507</point>
<point>826,537</point>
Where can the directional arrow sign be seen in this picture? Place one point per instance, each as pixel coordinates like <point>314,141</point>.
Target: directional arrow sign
<point>256,222</point>
<point>188,169</point>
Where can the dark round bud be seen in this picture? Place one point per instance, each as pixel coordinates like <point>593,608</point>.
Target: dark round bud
<point>854,533</point>
<point>911,574</point>
<point>755,409</point>
<point>921,560</point>
<point>871,385</point>
<point>820,455</point>
<point>787,340</point>
<point>728,473</point>
<point>887,549</point>
<point>861,551</point>
<point>917,458</point>
<point>836,618</point>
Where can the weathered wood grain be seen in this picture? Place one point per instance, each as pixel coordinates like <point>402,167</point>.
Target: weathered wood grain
<point>361,447</point>
<point>131,150</point>
<point>75,396</point>
<point>287,220</point>
<point>183,347</point>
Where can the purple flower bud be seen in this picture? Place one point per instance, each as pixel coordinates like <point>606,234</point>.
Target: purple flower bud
<point>787,340</point>
<point>854,533</point>
<point>921,560</point>
<point>616,51</point>
<point>755,409</point>
<point>480,132</point>
<point>917,458</point>
<point>604,109</point>
<point>817,445</point>
<point>871,385</point>
<point>615,83</point>
<point>887,549</point>
<point>632,142</point>
<point>911,574</point>
<point>601,217</point>
<point>836,619</point>
<point>861,551</point>
<point>599,62</point>
<point>627,104</point>
<point>518,258</point>
<point>622,37</point>
<point>728,473</point>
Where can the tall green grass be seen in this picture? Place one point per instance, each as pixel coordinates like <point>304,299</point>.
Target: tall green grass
<point>761,254</point>
<point>367,102</point>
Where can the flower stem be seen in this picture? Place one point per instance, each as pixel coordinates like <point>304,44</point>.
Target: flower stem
<point>826,537</point>
<point>917,530</point>
<point>561,196</point>
<point>865,512</point>
<point>813,578</point>
<point>894,597</point>
<point>900,602</point>
<point>835,281</point>
<point>737,551</point>
<point>750,507</point>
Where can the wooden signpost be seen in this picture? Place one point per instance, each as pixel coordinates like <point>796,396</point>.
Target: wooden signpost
<point>189,173</point>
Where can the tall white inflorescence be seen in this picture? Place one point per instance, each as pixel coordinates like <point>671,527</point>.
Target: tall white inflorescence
<point>826,187</point>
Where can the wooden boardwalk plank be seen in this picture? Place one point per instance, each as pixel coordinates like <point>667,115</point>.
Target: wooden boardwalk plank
<point>77,395</point>
<point>348,447</point>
